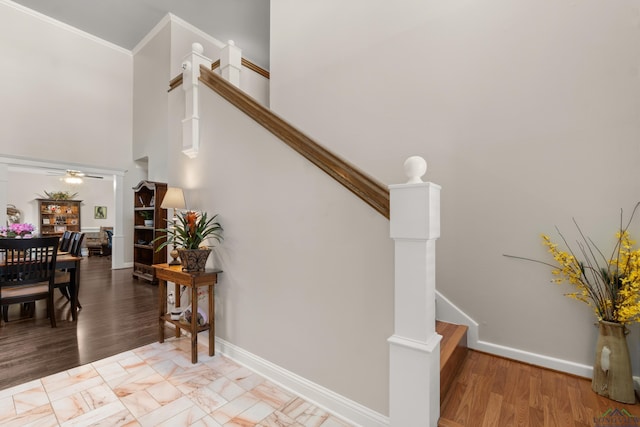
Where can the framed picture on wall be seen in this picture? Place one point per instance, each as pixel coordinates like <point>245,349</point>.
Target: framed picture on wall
<point>100,212</point>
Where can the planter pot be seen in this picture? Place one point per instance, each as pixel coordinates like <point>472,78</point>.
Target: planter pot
<point>148,223</point>
<point>193,259</point>
<point>612,375</point>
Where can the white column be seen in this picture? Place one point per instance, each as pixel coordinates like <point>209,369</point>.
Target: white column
<point>117,240</point>
<point>415,346</point>
<point>231,63</point>
<point>190,123</point>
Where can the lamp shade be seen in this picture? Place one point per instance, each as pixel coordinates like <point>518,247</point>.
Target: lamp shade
<point>174,198</point>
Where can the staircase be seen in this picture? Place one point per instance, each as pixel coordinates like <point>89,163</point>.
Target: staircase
<point>453,351</point>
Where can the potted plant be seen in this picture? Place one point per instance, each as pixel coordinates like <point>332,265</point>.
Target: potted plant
<point>611,287</point>
<point>148,217</point>
<point>188,234</point>
<point>17,230</point>
<point>58,195</point>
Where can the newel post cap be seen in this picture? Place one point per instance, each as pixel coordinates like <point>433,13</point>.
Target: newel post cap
<point>415,167</point>
<point>415,205</point>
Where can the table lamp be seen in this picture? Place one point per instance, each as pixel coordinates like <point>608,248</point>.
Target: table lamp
<point>174,199</point>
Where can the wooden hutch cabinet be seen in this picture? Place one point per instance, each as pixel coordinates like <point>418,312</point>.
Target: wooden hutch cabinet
<point>58,216</point>
<point>147,198</point>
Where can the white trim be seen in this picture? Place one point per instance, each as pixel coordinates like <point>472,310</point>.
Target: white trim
<point>25,162</point>
<point>63,26</point>
<point>335,403</point>
<point>90,229</point>
<point>535,359</point>
<point>123,266</point>
<point>151,34</point>
<point>171,18</point>
<point>425,347</point>
<point>446,311</point>
<point>208,37</point>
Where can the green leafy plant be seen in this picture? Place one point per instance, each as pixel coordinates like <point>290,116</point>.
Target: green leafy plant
<point>146,214</point>
<point>191,229</point>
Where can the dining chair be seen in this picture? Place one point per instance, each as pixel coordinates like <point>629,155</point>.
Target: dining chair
<point>75,246</point>
<point>62,279</point>
<point>27,272</point>
<point>65,241</point>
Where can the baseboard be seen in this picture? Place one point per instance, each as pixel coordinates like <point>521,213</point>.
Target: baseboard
<point>541,360</point>
<point>335,403</point>
<point>446,311</point>
<point>449,312</point>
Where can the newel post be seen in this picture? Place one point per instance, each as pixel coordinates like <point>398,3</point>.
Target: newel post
<point>231,63</point>
<point>414,394</point>
<point>190,123</point>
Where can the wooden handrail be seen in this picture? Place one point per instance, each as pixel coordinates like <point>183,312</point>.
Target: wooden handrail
<point>248,64</point>
<point>360,184</point>
<point>177,80</point>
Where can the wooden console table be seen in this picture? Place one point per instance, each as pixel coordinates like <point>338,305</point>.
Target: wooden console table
<point>193,280</point>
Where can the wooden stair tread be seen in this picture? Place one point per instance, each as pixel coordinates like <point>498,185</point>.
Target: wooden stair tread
<point>452,335</point>
<point>453,351</point>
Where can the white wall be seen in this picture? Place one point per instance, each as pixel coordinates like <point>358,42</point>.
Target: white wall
<point>303,286</point>
<point>299,287</point>
<point>67,96</point>
<point>527,113</point>
<point>151,71</point>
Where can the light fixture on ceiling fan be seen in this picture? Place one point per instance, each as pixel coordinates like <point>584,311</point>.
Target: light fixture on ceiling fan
<point>71,176</point>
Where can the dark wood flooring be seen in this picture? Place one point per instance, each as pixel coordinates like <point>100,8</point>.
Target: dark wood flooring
<point>492,391</point>
<point>118,314</point>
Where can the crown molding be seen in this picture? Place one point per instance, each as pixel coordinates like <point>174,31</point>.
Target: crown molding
<point>208,37</point>
<point>63,26</point>
<point>151,34</point>
<point>170,18</point>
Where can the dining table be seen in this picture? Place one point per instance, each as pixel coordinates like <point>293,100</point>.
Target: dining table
<point>70,263</point>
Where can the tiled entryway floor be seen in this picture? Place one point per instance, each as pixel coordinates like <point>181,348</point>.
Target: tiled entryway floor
<point>156,385</point>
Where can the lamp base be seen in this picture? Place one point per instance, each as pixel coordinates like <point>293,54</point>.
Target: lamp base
<point>174,255</point>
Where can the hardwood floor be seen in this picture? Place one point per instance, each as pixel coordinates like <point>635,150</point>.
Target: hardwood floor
<point>118,314</point>
<point>492,391</point>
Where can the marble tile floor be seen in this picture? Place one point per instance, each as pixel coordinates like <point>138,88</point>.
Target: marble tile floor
<point>157,385</point>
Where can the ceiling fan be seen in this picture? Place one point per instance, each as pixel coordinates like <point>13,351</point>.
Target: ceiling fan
<point>71,176</point>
